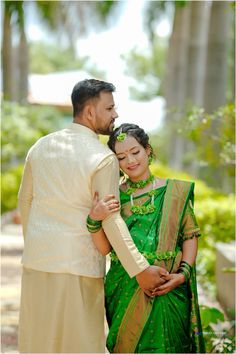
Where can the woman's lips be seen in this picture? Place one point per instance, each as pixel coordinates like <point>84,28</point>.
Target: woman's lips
<point>132,167</point>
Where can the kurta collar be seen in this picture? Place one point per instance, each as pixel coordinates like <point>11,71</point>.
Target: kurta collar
<point>83,130</point>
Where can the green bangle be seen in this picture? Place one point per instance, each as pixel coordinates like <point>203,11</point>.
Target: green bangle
<point>93,225</point>
<point>91,221</point>
<point>185,269</point>
<point>185,274</point>
<point>93,231</point>
<point>186,264</point>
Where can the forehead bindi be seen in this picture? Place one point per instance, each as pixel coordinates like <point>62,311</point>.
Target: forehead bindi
<point>127,145</point>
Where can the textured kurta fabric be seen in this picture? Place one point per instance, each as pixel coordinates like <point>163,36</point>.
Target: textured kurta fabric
<point>55,313</point>
<point>167,328</point>
<point>62,172</point>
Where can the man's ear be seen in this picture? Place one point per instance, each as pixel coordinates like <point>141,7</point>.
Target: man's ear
<point>89,111</point>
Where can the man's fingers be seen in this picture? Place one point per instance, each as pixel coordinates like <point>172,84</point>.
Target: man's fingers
<point>162,271</point>
<point>147,292</point>
<point>167,277</point>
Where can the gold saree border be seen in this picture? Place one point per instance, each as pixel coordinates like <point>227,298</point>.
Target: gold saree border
<point>175,202</point>
<point>133,322</point>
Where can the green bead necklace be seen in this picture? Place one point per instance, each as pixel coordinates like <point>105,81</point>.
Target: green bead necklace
<point>138,185</point>
<point>133,186</point>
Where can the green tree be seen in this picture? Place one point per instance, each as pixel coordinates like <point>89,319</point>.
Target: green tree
<point>21,127</point>
<point>197,67</point>
<point>68,19</point>
<point>46,58</point>
<point>213,136</point>
<point>148,70</point>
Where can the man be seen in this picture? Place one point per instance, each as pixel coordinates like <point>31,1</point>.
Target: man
<point>62,300</point>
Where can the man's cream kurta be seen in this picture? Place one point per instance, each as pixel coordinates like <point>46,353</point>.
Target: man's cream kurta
<point>62,172</point>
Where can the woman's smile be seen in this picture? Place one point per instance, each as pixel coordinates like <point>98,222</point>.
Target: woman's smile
<point>133,167</point>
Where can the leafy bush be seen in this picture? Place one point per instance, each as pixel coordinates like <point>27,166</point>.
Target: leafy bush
<point>21,127</point>
<point>9,188</point>
<point>215,214</point>
<point>217,341</point>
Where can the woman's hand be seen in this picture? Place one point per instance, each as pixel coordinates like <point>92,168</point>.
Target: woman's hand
<point>104,207</point>
<point>172,282</point>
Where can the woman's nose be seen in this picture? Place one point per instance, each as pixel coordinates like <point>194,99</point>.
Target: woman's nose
<point>131,158</point>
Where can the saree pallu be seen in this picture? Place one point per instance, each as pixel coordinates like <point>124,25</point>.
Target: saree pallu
<point>169,323</point>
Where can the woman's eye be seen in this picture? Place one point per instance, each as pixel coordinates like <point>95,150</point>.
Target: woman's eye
<point>136,152</point>
<point>121,158</point>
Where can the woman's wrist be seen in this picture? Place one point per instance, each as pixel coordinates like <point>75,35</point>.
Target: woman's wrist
<point>185,269</point>
<point>181,278</point>
<point>93,216</point>
<point>93,225</point>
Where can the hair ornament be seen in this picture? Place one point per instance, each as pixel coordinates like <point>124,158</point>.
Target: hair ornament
<point>121,136</point>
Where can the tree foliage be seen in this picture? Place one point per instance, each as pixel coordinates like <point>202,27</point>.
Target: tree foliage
<point>213,136</point>
<point>148,70</point>
<point>21,127</point>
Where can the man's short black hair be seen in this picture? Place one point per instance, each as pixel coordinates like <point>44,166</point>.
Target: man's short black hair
<point>87,89</point>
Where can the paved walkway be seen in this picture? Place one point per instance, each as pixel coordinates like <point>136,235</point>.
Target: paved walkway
<point>11,251</point>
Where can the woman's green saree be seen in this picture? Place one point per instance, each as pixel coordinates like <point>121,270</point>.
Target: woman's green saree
<point>165,324</point>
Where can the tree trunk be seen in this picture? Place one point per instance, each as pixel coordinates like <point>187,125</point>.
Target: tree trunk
<point>197,51</point>
<point>23,67</point>
<point>197,54</point>
<point>7,56</point>
<point>216,75</point>
<point>175,89</point>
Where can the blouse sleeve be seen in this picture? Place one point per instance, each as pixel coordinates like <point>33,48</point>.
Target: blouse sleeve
<point>189,227</point>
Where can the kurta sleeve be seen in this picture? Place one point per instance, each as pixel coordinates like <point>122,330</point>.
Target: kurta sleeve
<point>190,226</point>
<point>25,195</point>
<point>106,181</point>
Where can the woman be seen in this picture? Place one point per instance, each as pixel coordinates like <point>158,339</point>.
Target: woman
<point>159,215</point>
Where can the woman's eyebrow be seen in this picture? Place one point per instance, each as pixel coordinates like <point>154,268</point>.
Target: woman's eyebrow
<point>134,147</point>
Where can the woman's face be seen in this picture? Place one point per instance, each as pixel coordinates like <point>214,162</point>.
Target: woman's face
<point>133,158</point>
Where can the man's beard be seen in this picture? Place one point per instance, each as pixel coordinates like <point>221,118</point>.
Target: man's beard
<point>108,130</point>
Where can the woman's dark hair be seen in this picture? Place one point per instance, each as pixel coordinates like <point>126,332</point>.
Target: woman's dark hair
<point>87,89</point>
<point>131,130</point>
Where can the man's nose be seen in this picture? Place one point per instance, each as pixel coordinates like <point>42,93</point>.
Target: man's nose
<point>115,114</point>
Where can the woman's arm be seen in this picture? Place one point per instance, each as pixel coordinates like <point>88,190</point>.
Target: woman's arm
<point>190,250</point>
<point>100,210</point>
<point>101,242</point>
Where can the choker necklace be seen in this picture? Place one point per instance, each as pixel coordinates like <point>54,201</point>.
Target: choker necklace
<point>142,209</point>
<point>138,185</point>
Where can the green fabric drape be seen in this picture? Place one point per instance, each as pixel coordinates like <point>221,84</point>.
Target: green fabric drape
<point>168,323</point>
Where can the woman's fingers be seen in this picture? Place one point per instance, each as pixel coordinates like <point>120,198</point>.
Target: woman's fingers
<point>109,197</point>
<point>95,198</point>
